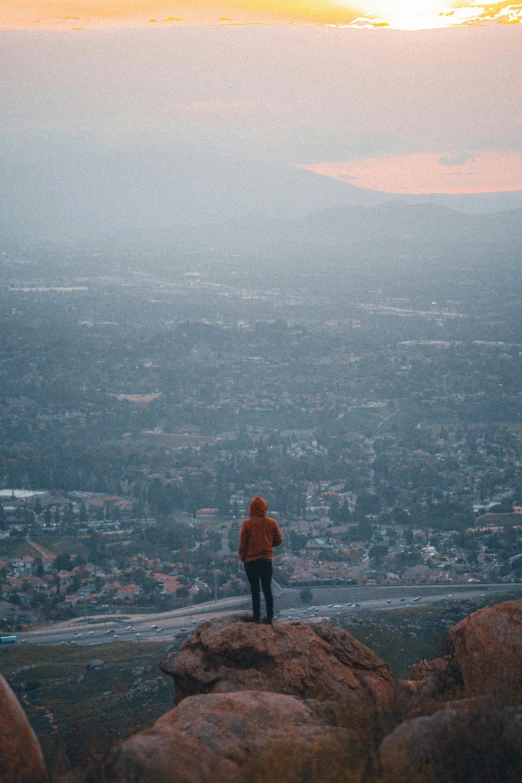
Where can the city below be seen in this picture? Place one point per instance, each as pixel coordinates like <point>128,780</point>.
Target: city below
<point>376,407</point>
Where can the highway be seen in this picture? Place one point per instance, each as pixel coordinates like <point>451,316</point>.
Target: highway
<point>327,602</point>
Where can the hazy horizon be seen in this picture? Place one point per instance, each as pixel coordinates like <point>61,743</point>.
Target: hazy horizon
<point>120,129</point>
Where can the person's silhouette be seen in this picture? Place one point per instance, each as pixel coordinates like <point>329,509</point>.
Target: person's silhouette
<point>259,535</point>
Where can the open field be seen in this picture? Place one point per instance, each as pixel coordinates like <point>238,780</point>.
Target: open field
<point>499,520</point>
<point>74,706</point>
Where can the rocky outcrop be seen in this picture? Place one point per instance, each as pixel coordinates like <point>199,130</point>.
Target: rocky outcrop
<point>429,671</point>
<point>465,742</point>
<point>294,703</point>
<point>488,648</point>
<point>431,683</point>
<point>477,736</point>
<point>268,735</point>
<point>159,755</point>
<point>233,738</point>
<point>21,759</point>
<point>319,662</point>
<point>485,661</point>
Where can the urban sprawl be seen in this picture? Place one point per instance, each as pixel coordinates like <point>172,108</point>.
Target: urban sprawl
<point>139,415</point>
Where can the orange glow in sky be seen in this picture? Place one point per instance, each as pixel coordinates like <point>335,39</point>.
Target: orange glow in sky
<point>398,14</point>
<point>480,172</point>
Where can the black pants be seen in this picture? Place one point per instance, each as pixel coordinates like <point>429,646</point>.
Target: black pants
<point>261,571</point>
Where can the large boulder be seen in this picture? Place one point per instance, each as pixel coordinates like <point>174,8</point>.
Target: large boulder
<point>158,755</point>
<point>244,737</point>
<point>270,736</point>
<point>465,742</point>
<point>488,648</point>
<point>319,662</point>
<point>21,758</point>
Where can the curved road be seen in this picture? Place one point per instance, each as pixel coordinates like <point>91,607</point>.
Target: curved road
<point>328,602</point>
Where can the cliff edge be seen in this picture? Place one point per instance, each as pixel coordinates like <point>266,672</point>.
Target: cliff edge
<point>290,703</point>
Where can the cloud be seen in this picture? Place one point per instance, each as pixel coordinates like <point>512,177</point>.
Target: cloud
<point>434,14</point>
<point>456,160</point>
<point>27,14</point>
<point>477,12</point>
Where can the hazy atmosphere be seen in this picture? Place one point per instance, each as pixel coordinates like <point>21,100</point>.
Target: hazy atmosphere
<point>107,130</point>
<point>260,391</point>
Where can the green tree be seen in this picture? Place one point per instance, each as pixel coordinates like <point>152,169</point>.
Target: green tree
<point>367,504</point>
<point>297,541</point>
<point>63,562</point>
<point>401,517</point>
<point>377,552</point>
<point>306,595</point>
<point>39,568</point>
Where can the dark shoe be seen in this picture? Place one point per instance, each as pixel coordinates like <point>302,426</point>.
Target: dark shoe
<point>256,619</point>
<point>267,620</point>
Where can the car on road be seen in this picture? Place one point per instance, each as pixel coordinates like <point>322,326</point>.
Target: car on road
<point>153,627</point>
<point>388,601</point>
<point>77,633</point>
<point>90,632</point>
<point>159,630</point>
<point>8,639</point>
<point>183,629</point>
<point>402,599</point>
<point>417,598</point>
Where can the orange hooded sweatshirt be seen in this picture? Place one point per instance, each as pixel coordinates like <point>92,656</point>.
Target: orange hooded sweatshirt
<point>259,533</point>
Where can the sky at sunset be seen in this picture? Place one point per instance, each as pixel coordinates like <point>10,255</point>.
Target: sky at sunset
<point>479,172</point>
<point>400,14</point>
<point>130,120</point>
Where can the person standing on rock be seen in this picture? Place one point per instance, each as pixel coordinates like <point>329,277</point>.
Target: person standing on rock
<point>259,535</point>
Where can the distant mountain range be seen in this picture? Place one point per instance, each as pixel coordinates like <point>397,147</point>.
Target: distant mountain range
<point>383,230</point>
<point>201,201</point>
<point>406,220</point>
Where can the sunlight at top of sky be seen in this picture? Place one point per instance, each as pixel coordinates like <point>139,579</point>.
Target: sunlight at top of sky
<point>396,14</point>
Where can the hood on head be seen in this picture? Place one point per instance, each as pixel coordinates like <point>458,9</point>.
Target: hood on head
<point>258,507</point>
